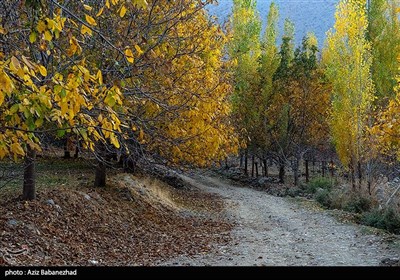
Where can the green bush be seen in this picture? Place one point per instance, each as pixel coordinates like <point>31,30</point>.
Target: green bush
<point>323,196</point>
<point>318,183</point>
<point>293,192</point>
<point>358,204</point>
<point>386,219</point>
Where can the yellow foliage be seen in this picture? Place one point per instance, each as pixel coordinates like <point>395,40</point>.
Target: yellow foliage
<point>90,20</point>
<point>129,55</point>
<point>86,30</point>
<point>348,60</point>
<point>122,11</point>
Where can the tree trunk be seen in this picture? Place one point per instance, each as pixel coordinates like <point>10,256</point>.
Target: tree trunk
<point>359,175</point>
<point>67,153</point>
<point>265,168</point>
<point>307,174</point>
<point>323,168</point>
<point>281,172</point>
<point>28,192</point>
<point>256,163</point>
<point>252,166</point>
<point>332,169</point>
<point>245,164</point>
<point>352,175</point>
<point>296,172</point>
<point>226,163</point>
<point>76,150</point>
<point>368,175</point>
<point>241,160</point>
<point>100,178</point>
<point>369,187</point>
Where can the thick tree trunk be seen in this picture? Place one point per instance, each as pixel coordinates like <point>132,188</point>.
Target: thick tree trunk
<point>28,192</point>
<point>332,169</point>
<point>245,164</point>
<point>307,173</point>
<point>100,178</point>
<point>323,168</point>
<point>281,172</point>
<point>241,160</point>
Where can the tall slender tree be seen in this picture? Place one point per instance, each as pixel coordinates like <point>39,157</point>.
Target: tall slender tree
<point>245,50</point>
<point>384,34</point>
<point>268,64</point>
<point>348,60</point>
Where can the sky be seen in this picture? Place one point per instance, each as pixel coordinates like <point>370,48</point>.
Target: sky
<point>308,15</point>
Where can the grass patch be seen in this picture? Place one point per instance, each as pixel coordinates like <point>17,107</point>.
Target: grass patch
<point>50,173</point>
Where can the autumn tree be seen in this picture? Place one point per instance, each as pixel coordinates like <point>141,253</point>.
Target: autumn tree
<point>268,64</point>
<point>299,105</point>
<point>348,60</point>
<point>89,69</point>
<point>386,129</point>
<point>279,109</point>
<point>182,87</point>
<point>245,49</point>
<point>48,85</point>
<point>309,102</point>
<point>384,35</point>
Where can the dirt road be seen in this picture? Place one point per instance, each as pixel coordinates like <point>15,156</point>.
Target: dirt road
<point>278,231</point>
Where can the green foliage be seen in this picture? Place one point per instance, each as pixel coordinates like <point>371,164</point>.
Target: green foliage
<point>286,52</point>
<point>384,34</point>
<point>387,219</point>
<point>323,196</point>
<point>245,50</point>
<point>318,183</point>
<point>357,204</point>
<point>348,60</point>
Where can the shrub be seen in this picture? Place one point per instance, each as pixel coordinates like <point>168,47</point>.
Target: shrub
<point>358,204</point>
<point>323,196</point>
<point>293,192</point>
<point>338,198</point>
<point>386,219</point>
<point>318,183</point>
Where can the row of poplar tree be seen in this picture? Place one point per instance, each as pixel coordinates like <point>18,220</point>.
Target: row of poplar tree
<point>290,101</point>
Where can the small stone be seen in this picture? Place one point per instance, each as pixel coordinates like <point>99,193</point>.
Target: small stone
<point>12,222</point>
<point>87,196</point>
<point>95,195</point>
<point>94,262</point>
<point>50,202</point>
